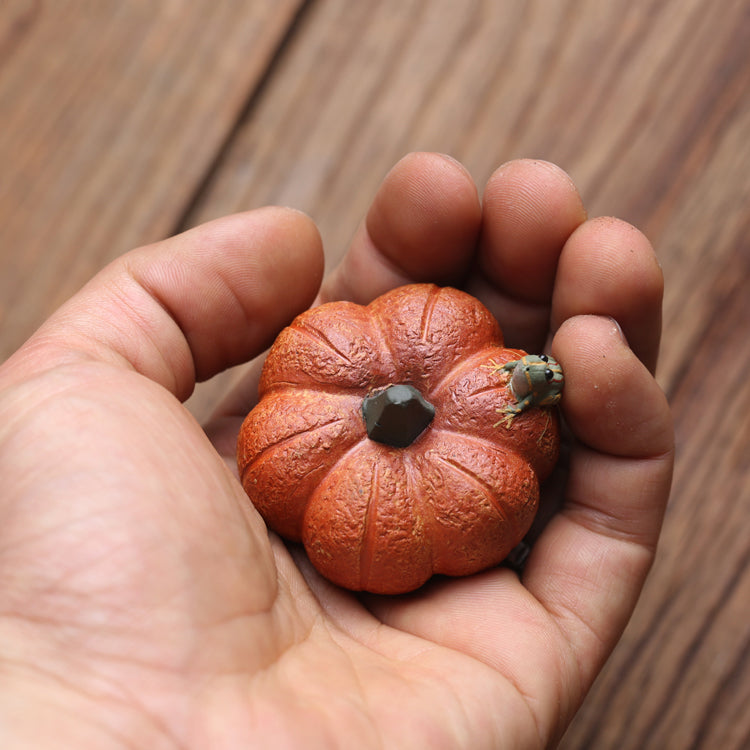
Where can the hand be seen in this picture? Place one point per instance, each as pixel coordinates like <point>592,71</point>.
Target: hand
<point>143,603</point>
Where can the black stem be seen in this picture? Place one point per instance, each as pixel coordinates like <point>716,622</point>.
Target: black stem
<point>396,415</point>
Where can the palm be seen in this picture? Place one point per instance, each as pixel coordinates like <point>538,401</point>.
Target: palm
<point>152,578</point>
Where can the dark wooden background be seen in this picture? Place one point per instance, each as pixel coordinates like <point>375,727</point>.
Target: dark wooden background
<point>123,121</point>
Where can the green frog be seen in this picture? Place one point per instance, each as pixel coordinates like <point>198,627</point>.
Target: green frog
<point>535,380</point>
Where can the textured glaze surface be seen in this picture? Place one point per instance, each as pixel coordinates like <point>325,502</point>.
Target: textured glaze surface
<point>383,519</point>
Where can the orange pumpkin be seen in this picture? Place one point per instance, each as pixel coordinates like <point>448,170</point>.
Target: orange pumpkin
<point>454,496</point>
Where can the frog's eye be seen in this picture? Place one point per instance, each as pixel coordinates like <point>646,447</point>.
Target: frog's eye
<point>549,375</point>
<point>544,358</point>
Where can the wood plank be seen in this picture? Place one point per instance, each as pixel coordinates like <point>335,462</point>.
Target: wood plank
<point>111,115</point>
<point>646,105</point>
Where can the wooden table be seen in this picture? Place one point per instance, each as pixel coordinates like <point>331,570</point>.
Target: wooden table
<point>124,122</point>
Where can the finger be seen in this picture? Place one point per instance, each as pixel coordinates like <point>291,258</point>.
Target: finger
<point>530,209</point>
<point>192,305</point>
<point>609,268</point>
<point>589,565</point>
<point>422,226</point>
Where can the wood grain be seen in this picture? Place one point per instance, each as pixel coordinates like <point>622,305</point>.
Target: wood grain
<point>123,123</point>
<point>112,113</point>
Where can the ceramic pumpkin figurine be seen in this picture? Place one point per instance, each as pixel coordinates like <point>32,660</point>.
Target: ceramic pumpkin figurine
<point>376,440</point>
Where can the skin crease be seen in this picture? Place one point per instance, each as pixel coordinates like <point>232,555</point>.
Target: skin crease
<point>143,603</point>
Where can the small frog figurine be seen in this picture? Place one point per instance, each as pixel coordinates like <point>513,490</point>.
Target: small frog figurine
<point>535,380</point>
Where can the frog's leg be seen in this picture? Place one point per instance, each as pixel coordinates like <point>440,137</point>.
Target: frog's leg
<point>511,411</point>
<point>494,367</point>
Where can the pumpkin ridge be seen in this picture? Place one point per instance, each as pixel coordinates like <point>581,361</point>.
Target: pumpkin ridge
<point>330,389</point>
<point>286,439</point>
<point>502,445</point>
<point>384,344</point>
<point>471,437</point>
<point>478,481</point>
<point>429,308</point>
<point>421,506</point>
<point>452,374</point>
<point>505,445</point>
<point>319,337</point>
<point>343,456</point>
<point>369,531</point>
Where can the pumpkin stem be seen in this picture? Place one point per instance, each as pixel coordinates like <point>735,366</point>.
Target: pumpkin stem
<point>396,415</point>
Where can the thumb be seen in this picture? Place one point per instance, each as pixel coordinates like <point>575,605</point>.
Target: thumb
<point>187,307</point>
